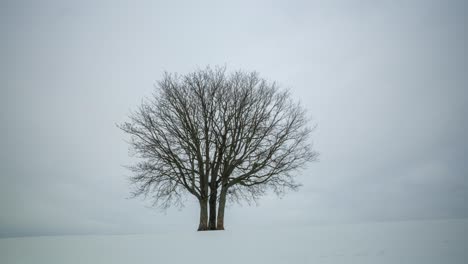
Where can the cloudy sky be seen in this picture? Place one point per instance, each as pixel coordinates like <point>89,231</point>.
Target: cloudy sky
<point>386,83</point>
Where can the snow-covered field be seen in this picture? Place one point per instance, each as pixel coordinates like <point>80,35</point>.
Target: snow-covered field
<point>441,241</point>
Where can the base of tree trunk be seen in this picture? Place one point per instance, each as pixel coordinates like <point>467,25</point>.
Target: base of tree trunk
<point>208,229</point>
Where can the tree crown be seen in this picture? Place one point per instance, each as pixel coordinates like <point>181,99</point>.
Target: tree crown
<point>213,129</point>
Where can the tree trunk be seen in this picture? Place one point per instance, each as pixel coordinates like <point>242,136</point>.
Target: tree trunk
<point>222,204</point>
<point>212,219</point>
<point>203,215</point>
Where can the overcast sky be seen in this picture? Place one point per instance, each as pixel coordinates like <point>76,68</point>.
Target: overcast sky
<point>386,83</point>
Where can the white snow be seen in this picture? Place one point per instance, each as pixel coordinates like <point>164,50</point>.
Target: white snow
<point>440,241</point>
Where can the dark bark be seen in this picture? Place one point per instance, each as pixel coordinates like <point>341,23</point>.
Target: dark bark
<point>203,225</point>
<point>212,202</point>
<point>222,205</point>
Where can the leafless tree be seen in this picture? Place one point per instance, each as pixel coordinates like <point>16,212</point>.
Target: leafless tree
<point>218,137</point>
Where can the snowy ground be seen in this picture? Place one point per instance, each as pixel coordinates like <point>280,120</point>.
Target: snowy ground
<point>444,241</point>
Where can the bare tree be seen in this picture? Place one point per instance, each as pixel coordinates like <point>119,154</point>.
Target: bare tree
<point>218,137</point>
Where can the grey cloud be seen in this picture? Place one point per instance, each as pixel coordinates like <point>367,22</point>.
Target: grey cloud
<point>385,82</point>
